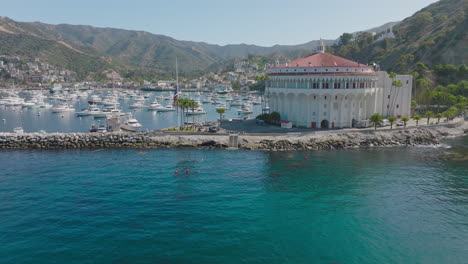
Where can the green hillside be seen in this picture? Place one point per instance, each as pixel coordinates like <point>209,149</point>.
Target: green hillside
<point>435,35</point>
<point>52,52</point>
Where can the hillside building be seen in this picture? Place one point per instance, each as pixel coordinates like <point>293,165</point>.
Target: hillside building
<point>327,91</point>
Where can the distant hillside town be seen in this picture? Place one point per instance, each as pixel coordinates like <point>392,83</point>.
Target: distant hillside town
<point>33,73</point>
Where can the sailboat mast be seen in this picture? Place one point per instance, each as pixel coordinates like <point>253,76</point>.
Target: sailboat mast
<point>177,91</point>
<point>177,74</point>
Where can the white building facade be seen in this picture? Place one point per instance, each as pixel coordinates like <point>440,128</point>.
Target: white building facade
<point>326,91</point>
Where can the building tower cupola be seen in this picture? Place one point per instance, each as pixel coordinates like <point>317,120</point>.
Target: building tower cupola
<point>321,47</point>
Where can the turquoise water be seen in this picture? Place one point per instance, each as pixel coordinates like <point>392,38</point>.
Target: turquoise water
<point>396,205</point>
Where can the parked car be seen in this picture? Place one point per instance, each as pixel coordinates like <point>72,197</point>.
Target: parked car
<point>400,123</point>
<point>213,129</point>
<point>385,123</point>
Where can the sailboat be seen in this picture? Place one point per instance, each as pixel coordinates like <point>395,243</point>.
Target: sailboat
<point>177,91</point>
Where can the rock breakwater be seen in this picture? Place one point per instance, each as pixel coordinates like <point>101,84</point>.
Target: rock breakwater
<point>310,141</point>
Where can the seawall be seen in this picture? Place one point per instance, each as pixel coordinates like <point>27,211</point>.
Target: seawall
<point>155,139</point>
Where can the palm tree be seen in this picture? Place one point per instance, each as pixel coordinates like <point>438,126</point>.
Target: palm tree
<point>220,111</point>
<point>192,105</point>
<point>461,107</point>
<point>417,118</point>
<point>376,119</point>
<point>392,120</point>
<point>438,116</point>
<point>446,114</point>
<point>405,120</point>
<point>182,103</point>
<point>429,114</point>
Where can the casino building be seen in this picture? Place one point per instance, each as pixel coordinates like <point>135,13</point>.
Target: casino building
<point>327,91</point>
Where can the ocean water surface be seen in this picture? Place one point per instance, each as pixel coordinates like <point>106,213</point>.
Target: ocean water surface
<point>392,205</point>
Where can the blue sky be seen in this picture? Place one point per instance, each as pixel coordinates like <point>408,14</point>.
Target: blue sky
<point>260,22</point>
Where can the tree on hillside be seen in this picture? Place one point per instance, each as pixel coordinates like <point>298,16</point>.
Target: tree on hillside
<point>404,62</point>
<point>376,120</point>
<point>346,38</point>
<point>461,107</point>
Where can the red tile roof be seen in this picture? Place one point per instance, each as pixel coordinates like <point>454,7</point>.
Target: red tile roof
<point>323,60</point>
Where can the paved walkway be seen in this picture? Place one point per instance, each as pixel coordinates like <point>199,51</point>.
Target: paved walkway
<point>251,127</point>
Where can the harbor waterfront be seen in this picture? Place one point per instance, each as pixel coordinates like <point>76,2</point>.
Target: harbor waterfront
<point>379,205</point>
<point>429,135</point>
<point>37,110</point>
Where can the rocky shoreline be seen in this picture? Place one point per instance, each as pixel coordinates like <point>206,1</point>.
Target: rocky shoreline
<point>312,141</point>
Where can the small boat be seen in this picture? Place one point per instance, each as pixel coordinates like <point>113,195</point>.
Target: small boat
<point>131,125</point>
<point>62,108</point>
<point>196,111</point>
<point>112,111</point>
<point>94,111</point>
<point>221,106</point>
<point>247,111</point>
<point>101,129</point>
<point>18,130</point>
<point>207,100</point>
<point>137,105</point>
<point>236,102</point>
<point>154,105</point>
<point>167,108</point>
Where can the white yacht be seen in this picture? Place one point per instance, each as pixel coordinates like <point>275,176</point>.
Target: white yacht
<point>236,102</point>
<point>137,105</point>
<point>207,100</point>
<point>257,102</point>
<point>167,108</point>
<point>246,109</point>
<point>154,105</point>
<point>196,111</point>
<point>113,111</point>
<point>131,125</point>
<point>221,106</point>
<point>94,111</point>
<point>18,130</point>
<point>62,108</point>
